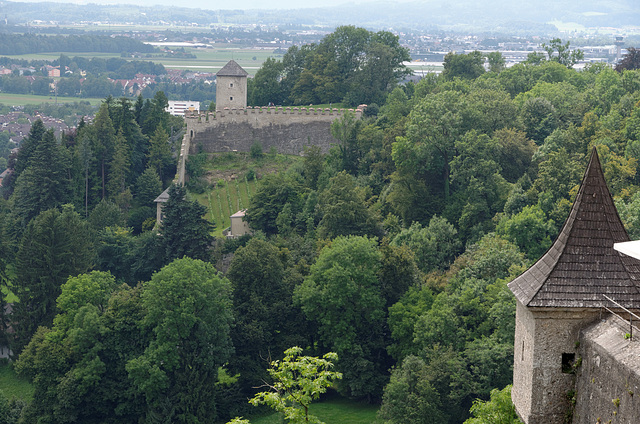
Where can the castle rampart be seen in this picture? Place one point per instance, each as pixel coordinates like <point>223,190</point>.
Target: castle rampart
<point>288,130</point>
<point>608,383</point>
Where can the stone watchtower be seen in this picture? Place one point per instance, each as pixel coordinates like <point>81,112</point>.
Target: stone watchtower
<point>562,293</point>
<point>231,87</point>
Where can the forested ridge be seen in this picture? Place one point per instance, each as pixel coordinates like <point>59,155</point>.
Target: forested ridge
<point>13,44</point>
<point>393,250</point>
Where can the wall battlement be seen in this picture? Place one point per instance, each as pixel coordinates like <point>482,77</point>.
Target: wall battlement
<point>288,130</point>
<point>225,113</point>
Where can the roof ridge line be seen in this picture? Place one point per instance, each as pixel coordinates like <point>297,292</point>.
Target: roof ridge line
<point>581,264</point>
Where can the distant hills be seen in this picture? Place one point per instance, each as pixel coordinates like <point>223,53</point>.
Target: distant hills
<point>497,15</point>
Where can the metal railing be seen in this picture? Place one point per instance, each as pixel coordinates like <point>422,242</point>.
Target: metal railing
<point>617,315</point>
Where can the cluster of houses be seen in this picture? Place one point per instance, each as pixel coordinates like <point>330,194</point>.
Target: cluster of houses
<point>48,70</point>
<point>18,125</point>
<point>132,86</point>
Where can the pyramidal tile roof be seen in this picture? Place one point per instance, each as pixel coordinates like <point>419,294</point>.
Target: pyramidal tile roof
<point>582,265</point>
<point>232,69</point>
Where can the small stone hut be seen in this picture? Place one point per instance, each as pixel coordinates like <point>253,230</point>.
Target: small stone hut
<point>562,294</point>
<point>160,201</point>
<point>239,226</point>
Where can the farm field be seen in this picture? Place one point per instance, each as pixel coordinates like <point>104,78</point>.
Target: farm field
<point>213,59</point>
<point>32,99</point>
<point>207,59</point>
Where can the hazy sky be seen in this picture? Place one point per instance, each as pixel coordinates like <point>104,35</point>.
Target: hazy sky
<point>226,4</point>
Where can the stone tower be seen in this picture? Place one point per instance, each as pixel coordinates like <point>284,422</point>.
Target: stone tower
<point>562,293</point>
<point>231,87</point>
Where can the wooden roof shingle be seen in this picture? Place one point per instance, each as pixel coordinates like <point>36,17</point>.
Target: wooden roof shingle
<point>232,69</point>
<point>582,265</point>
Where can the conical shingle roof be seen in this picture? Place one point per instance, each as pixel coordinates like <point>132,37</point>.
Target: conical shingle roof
<point>582,265</point>
<point>232,69</point>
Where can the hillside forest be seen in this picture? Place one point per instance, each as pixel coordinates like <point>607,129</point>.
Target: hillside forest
<point>393,250</point>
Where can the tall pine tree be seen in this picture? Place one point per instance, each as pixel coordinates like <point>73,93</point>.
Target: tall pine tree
<point>119,167</point>
<point>45,183</point>
<point>184,230</point>
<point>160,157</point>
<point>55,245</point>
<point>104,144</point>
<point>28,146</point>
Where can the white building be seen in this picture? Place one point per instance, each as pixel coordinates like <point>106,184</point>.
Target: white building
<point>179,107</point>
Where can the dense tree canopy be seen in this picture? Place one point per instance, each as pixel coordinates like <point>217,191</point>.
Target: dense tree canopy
<point>350,65</point>
<point>393,249</point>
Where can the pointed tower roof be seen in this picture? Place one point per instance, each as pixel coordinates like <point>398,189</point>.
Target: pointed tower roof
<point>232,69</point>
<point>582,265</point>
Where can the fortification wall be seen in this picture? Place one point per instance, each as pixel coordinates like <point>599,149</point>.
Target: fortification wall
<point>289,130</point>
<point>608,382</point>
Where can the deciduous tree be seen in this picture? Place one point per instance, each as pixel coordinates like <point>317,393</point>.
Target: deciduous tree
<point>465,66</point>
<point>189,314</point>
<point>342,294</point>
<point>409,398</point>
<point>435,246</point>
<point>266,321</point>
<point>297,381</point>
<point>561,53</point>
<point>498,410</point>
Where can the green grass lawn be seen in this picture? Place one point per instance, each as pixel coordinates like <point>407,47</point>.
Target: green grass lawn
<point>335,410</point>
<point>32,99</point>
<point>12,385</point>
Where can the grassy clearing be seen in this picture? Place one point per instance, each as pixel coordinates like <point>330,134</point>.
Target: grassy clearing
<point>335,410</point>
<point>225,200</point>
<point>12,385</point>
<point>229,187</point>
<point>425,68</point>
<point>32,99</point>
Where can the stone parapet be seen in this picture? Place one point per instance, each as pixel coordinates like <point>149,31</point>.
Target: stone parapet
<point>220,114</point>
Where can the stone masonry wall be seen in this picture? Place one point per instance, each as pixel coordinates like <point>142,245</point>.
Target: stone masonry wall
<point>540,384</point>
<point>288,130</point>
<point>231,92</point>
<point>523,361</point>
<point>608,382</point>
